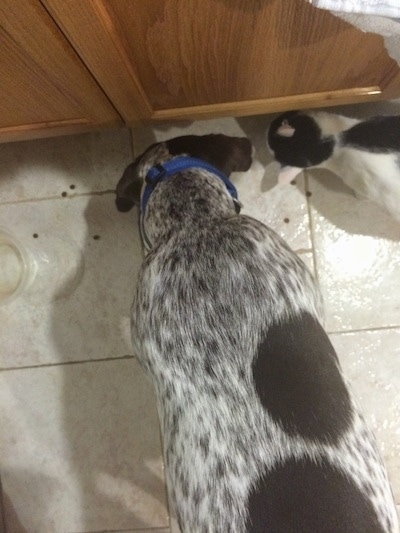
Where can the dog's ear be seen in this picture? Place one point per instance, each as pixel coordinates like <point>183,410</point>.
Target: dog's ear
<point>227,154</point>
<point>240,157</point>
<point>129,188</point>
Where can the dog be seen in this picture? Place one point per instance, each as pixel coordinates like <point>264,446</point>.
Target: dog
<point>260,431</point>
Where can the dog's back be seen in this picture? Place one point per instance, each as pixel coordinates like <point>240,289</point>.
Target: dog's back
<point>260,432</point>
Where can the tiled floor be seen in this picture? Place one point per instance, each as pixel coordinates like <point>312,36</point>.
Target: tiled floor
<point>80,446</point>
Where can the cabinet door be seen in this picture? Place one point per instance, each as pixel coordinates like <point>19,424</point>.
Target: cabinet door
<point>44,86</point>
<point>196,58</point>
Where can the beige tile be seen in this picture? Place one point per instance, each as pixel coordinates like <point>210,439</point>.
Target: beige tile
<point>47,167</point>
<point>283,208</point>
<point>78,307</point>
<point>371,361</point>
<point>80,449</point>
<point>357,249</point>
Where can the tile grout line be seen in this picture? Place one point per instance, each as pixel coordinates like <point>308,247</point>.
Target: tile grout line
<point>59,197</point>
<point>364,330</point>
<point>68,363</point>
<point>128,357</point>
<point>311,226</point>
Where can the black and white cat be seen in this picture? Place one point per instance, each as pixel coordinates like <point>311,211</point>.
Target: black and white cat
<point>365,154</point>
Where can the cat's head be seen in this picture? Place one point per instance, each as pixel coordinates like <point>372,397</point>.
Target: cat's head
<point>296,140</point>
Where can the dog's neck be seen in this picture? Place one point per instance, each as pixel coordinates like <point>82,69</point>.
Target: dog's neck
<point>187,201</point>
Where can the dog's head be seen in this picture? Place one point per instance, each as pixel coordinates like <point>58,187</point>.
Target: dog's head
<point>296,140</point>
<point>227,154</point>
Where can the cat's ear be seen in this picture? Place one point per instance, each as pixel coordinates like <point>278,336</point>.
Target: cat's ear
<point>285,129</point>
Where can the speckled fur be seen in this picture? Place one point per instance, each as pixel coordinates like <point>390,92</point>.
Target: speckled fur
<point>207,293</point>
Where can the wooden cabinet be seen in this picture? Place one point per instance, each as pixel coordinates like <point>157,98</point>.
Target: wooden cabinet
<point>44,87</point>
<point>191,58</point>
<point>171,59</point>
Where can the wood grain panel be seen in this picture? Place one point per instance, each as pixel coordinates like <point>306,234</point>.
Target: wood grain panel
<point>95,37</point>
<point>210,56</point>
<point>42,81</point>
<point>190,53</point>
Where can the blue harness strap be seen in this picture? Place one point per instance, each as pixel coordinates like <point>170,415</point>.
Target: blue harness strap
<point>159,173</point>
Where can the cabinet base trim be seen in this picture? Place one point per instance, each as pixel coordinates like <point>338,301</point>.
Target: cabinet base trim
<point>272,105</point>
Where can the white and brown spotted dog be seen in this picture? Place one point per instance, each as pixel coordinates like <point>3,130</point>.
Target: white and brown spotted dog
<point>260,431</point>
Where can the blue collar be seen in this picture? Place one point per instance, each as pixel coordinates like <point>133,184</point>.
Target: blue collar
<point>159,173</point>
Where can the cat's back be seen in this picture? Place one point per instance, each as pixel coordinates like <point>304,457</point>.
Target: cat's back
<point>367,158</point>
<point>377,135</point>
<point>332,124</point>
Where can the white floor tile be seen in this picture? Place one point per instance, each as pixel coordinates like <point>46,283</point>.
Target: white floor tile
<point>79,304</point>
<point>371,362</point>
<point>80,449</point>
<point>48,167</point>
